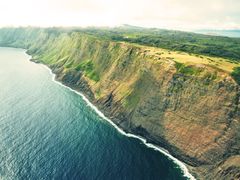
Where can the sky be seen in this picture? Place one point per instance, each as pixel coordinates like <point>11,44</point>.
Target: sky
<point>169,14</point>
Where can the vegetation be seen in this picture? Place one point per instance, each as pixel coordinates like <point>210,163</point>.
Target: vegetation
<point>138,89</point>
<point>61,47</point>
<point>236,74</point>
<point>217,46</point>
<point>187,70</point>
<point>174,40</point>
<point>88,68</point>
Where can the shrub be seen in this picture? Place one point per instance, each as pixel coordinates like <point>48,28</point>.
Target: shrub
<point>236,74</point>
<point>88,68</point>
<point>188,70</point>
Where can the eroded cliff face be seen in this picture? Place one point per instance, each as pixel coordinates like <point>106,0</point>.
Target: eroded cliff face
<point>191,110</point>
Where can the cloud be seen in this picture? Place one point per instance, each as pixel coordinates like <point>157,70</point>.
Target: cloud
<point>172,14</point>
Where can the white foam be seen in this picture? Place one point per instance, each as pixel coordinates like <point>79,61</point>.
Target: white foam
<point>183,167</point>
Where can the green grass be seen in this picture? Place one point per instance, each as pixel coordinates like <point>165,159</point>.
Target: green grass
<point>215,46</point>
<point>61,47</point>
<point>179,66</point>
<point>88,68</point>
<point>138,89</point>
<point>187,70</point>
<point>236,74</point>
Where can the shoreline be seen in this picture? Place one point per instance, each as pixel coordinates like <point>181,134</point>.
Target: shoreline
<point>182,165</point>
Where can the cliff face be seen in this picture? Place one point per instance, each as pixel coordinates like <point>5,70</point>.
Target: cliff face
<point>192,110</point>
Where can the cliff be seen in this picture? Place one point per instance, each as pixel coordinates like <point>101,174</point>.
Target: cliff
<point>188,104</point>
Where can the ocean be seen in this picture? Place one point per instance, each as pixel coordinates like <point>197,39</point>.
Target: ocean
<point>226,33</point>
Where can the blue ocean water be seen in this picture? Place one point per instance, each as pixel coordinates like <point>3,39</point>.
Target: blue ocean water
<point>49,132</point>
<point>227,33</point>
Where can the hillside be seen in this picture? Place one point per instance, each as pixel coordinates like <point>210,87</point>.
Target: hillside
<point>224,47</point>
<point>185,100</point>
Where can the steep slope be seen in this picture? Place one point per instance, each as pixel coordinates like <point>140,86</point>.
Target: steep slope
<point>181,102</point>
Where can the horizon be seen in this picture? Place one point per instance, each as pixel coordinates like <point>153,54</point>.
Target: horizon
<point>117,26</point>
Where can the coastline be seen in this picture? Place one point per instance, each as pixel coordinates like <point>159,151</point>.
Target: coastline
<point>182,165</point>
